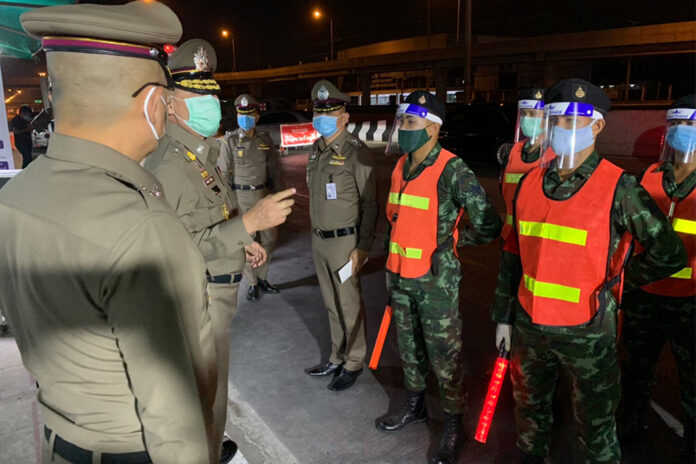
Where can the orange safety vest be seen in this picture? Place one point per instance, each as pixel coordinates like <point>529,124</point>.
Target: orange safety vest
<point>564,247</point>
<point>682,214</point>
<point>412,211</point>
<point>514,170</point>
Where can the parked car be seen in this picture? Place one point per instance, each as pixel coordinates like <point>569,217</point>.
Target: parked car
<point>270,123</point>
<point>475,131</point>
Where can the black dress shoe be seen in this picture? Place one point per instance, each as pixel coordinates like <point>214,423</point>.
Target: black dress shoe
<point>229,449</point>
<point>344,380</point>
<point>253,293</point>
<point>324,369</point>
<point>452,443</point>
<point>266,286</point>
<point>412,412</point>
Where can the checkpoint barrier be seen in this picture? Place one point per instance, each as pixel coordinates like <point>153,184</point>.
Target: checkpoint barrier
<point>303,134</point>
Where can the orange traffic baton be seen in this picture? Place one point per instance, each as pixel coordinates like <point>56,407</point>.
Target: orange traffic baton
<point>484,424</point>
<point>381,336</point>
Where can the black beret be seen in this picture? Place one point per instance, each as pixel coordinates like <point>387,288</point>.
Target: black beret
<point>580,91</point>
<point>687,101</point>
<point>428,101</point>
<point>532,94</point>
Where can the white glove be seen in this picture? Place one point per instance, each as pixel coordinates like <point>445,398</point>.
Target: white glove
<point>503,332</point>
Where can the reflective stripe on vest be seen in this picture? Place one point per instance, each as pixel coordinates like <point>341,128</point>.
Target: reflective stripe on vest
<point>411,201</point>
<point>411,253</point>
<point>551,290</point>
<point>684,226</point>
<point>553,232</point>
<point>513,178</point>
<point>682,211</point>
<point>685,273</point>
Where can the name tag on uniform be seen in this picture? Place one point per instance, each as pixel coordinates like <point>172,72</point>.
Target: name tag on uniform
<point>331,191</point>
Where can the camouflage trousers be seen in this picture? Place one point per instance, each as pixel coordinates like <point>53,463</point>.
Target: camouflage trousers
<point>587,355</point>
<point>430,329</point>
<point>650,321</point>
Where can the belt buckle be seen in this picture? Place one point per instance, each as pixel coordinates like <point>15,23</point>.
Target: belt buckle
<point>252,187</point>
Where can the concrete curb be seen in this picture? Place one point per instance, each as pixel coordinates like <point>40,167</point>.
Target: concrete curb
<point>254,438</point>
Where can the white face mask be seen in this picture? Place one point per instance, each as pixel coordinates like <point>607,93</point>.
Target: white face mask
<point>147,116</point>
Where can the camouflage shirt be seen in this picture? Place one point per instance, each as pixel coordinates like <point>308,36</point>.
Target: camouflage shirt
<point>457,188</point>
<point>674,190</point>
<point>633,211</point>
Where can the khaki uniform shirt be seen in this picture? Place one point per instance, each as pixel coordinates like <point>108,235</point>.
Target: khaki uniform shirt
<point>106,295</point>
<point>348,164</point>
<point>186,167</point>
<point>250,160</point>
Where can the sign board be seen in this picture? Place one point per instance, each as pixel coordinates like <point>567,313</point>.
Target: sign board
<point>6,161</point>
<point>297,135</point>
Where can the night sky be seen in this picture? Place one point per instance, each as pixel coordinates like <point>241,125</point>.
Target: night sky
<point>283,32</point>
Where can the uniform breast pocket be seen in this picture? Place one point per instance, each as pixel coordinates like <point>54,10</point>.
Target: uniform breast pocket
<point>342,178</point>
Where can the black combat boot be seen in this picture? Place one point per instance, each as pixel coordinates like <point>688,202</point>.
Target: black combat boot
<point>413,411</point>
<point>452,443</point>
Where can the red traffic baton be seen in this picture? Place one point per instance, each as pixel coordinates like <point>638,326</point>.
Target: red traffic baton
<point>381,336</point>
<point>497,379</point>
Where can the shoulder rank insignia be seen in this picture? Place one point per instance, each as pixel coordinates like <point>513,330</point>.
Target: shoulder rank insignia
<point>191,156</point>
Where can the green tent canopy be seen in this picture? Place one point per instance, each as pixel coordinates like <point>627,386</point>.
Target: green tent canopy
<point>14,42</point>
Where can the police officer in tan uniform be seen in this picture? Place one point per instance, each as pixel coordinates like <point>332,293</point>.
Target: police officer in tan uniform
<point>185,164</point>
<point>103,287</point>
<point>343,212</point>
<point>251,161</point>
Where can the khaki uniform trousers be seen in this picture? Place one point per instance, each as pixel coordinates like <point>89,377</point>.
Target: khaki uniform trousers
<point>266,238</point>
<point>346,311</point>
<point>222,310</point>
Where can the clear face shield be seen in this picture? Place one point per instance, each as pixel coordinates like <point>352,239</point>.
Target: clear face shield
<point>568,131</point>
<point>679,142</point>
<point>530,122</point>
<point>407,132</point>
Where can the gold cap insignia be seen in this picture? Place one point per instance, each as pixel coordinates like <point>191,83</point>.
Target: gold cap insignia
<point>244,101</point>
<point>537,95</point>
<point>580,92</point>
<point>323,93</point>
<point>200,59</point>
<point>421,100</point>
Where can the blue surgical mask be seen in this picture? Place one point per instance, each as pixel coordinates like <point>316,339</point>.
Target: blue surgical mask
<point>682,138</point>
<point>530,126</point>
<point>325,125</point>
<point>204,114</point>
<point>245,121</point>
<point>562,140</point>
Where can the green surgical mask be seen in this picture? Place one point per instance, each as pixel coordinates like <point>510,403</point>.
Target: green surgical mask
<point>412,140</point>
<point>530,126</point>
<point>204,114</point>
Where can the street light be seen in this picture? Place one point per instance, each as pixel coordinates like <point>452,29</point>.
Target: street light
<point>317,14</point>
<point>225,35</point>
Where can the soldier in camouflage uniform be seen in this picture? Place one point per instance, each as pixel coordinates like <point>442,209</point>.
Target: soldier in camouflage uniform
<point>430,190</point>
<point>250,159</point>
<point>665,310</point>
<point>544,341</point>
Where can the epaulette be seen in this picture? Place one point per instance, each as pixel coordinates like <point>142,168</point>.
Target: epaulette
<point>353,140</point>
